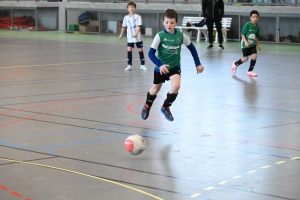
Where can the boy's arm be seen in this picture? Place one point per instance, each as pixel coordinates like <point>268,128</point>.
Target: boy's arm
<point>256,39</point>
<point>191,47</point>
<point>243,34</point>
<point>137,30</point>
<point>257,44</point>
<point>245,40</point>
<point>139,24</point>
<point>123,28</point>
<point>152,51</point>
<point>122,31</point>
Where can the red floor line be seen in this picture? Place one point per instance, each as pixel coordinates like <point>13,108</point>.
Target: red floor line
<point>4,125</point>
<point>249,141</point>
<point>4,187</point>
<point>15,194</point>
<point>20,71</point>
<point>40,114</point>
<point>61,102</point>
<point>130,109</point>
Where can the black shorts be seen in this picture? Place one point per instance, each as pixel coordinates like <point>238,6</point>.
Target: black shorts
<point>249,51</point>
<point>138,44</point>
<point>158,78</point>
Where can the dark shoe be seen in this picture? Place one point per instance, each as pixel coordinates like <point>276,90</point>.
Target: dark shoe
<point>221,46</point>
<point>189,25</point>
<point>145,112</point>
<point>167,113</point>
<point>210,46</point>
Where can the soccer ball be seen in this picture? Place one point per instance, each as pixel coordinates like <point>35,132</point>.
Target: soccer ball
<point>135,144</point>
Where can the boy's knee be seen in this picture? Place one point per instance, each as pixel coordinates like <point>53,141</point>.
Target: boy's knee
<point>175,88</point>
<point>154,90</point>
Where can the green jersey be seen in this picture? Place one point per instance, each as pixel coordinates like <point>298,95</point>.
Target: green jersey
<point>251,32</point>
<point>169,48</point>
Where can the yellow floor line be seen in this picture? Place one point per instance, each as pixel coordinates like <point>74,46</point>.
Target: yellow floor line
<point>83,174</point>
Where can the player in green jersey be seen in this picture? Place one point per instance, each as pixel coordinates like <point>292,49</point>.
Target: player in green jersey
<point>168,43</point>
<point>249,42</point>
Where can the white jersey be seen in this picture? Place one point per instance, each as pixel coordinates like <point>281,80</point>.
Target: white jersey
<point>131,23</point>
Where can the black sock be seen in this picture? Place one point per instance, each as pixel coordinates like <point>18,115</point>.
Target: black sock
<point>129,57</point>
<point>150,99</point>
<point>169,100</point>
<point>142,58</point>
<point>252,64</point>
<point>239,62</point>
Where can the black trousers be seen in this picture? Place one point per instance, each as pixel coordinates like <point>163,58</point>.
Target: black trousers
<point>210,25</point>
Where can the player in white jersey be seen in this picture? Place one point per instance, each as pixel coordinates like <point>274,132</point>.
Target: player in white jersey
<point>133,22</point>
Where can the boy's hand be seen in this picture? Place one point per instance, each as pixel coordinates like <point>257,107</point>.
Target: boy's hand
<point>135,35</point>
<point>163,69</point>
<point>200,69</point>
<point>247,44</point>
<point>259,48</point>
<point>120,36</point>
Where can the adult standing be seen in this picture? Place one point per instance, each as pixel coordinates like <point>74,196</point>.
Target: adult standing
<point>213,11</point>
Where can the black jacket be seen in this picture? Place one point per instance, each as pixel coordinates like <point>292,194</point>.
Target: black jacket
<point>211,10</point>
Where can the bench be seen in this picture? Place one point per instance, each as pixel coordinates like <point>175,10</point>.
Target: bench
<point>226,23</point>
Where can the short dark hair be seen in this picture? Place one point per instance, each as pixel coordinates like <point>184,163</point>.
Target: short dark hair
<point>131,4</point>
<point>254,12</point>
<point>170,13</point>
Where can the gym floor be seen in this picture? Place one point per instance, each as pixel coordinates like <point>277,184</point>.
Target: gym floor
<point>67,106</point>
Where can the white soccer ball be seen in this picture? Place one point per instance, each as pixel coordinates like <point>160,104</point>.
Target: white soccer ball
<point>135,144</point>
<point>251,38</point>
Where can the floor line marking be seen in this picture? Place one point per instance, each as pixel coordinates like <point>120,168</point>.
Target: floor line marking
<point>222,182</point>
<point>280,162</point>
<point>195,195</point>
<point>3,187</point>
<point>209,188</point>
<point>265,167</point>
<point>295,158</point>
<point>16,194</point>
<point>58,64</point>
<point>83,174</point>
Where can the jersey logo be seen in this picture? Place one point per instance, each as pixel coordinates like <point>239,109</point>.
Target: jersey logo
<point>170,47</point>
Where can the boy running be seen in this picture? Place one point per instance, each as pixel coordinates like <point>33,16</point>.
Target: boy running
<point>249,42</point>
<point>168,43</point>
